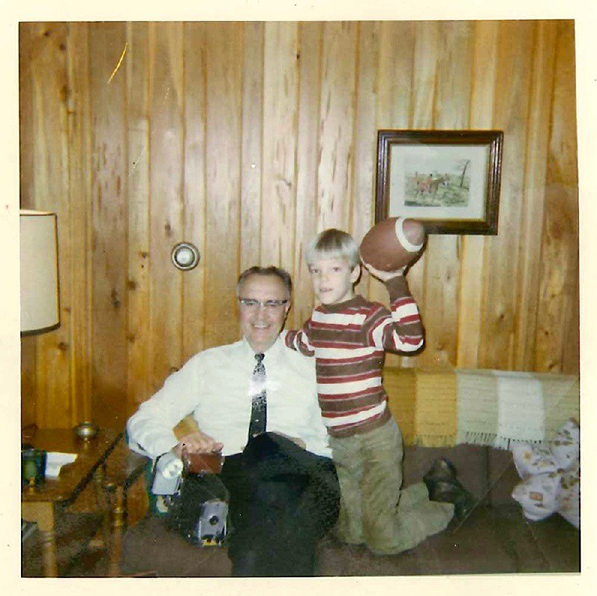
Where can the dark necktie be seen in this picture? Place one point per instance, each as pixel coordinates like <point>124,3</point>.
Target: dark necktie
<point>258,399</point>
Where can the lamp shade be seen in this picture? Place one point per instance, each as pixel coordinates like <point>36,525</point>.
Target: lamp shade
<point>39,272</point>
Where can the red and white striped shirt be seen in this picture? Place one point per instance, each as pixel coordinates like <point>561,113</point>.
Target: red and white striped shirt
<point>349,341</point>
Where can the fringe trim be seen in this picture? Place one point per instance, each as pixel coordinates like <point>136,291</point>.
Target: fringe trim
<point>494,440</point>
<point>507,442</point>
<point>477,438</point>
<point>472,438</point>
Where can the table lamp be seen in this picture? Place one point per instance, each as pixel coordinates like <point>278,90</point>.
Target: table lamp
<point>40,310</point>
<point>39,300</point>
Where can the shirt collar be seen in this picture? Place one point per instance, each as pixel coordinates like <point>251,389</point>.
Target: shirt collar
<point>356,300</point>
<point>272,352</point>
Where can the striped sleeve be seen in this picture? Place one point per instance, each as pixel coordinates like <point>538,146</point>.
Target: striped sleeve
<point>402,331</point>
<point>298,340</point>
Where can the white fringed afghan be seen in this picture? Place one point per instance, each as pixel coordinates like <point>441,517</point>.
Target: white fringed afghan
<point>501,408</point>
<point>477,407</point>
<point>521,409</point>
<point>495,408</point>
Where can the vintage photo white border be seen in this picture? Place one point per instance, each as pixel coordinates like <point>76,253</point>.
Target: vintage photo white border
<point>585,16</point>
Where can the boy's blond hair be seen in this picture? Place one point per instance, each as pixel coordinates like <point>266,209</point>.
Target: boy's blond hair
<point>333,243</point>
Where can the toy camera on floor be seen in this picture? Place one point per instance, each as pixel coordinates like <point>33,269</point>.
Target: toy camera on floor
<point>168,472</point>
<point>211,527</point>
<point>192,496</point>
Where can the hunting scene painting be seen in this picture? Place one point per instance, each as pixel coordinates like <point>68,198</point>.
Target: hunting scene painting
<point>449,180</point>
<point>443,186</point>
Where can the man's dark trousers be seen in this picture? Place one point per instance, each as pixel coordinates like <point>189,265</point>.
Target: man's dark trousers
<point>282,500</point>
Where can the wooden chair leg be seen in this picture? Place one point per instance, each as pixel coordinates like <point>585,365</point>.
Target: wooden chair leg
<point>104,507</point>
<point>49,553</point>
<point>43,514</point>
<point>117,530</point>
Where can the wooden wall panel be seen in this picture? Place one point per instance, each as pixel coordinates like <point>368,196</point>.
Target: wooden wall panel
<point>525,322</point>
<point>442,272</point>
<point>307,158</point>
<point>222,162</point>
<point>394,110</point>
<point>365,137</point>
<point>28,52</point>
<point>50,192</point>
<point>247,139</point>
<point>515,48</point>
<point>27,35</point>
<point>557,318</point>
<point>425,59</point>
<point>473,248</point>
<point>166,202</point>
<point>278,183</point>
<point>425,64</point>
<point>28,381</point>
<point>79,189</point>
<point>194,186</point>
<point>336,125</point>
<point>395,75</point>
<point>252,145</point>
<point>139,337</point>
<point>109,216</point>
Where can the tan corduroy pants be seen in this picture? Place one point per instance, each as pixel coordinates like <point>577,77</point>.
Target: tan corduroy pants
<point>374,510</point>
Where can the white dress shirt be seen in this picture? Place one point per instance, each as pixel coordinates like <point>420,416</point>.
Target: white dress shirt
<point>215,386</point>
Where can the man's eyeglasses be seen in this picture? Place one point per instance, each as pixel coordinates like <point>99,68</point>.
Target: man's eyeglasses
<point>251,303</point>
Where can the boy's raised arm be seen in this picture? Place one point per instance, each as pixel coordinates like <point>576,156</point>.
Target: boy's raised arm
<point>403,332</point>
<point>298,340</point>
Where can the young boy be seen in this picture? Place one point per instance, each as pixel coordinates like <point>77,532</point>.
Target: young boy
<point>348,335</point>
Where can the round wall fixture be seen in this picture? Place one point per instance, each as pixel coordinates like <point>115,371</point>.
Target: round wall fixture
<point>185,256</point>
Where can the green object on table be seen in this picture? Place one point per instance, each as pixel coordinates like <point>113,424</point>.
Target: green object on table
<point>33,466</point>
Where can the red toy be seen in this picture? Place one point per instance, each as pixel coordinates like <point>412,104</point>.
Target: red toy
<point>393,243</point>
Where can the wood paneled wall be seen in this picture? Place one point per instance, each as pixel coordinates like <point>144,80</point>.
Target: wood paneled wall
<point>248,138</point>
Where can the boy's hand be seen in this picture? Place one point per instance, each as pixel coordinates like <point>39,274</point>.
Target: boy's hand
<point>383,275</point>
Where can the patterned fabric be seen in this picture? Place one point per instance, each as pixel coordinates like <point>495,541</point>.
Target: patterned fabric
<point>477,407</point>
<point>521,412</point>
<point>258,421</point>
<point>349,341</point>
<point>562,400</point>
<point>401,387</point>
<point>551,476</point>
<point>437,408</point>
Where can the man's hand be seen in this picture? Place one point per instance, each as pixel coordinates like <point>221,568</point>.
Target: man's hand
<point>197,442</point>
<point>383,275</point>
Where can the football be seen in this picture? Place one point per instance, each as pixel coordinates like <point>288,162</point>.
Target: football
<point>393,243</point>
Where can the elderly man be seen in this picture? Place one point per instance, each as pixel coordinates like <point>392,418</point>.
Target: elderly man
<point>255,401</point>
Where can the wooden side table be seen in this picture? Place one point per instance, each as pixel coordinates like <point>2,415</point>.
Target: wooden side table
<point>123,471</point>
<point>39,504</point>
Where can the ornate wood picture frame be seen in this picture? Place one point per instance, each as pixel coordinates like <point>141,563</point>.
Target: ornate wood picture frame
<point>447,179</point>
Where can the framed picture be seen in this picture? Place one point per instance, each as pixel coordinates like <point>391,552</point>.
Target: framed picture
<point>447,179</point>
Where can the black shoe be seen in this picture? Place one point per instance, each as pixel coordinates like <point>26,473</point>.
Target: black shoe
<point>452,492</point>
<point>444,486</point>
<point>442,469</point>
